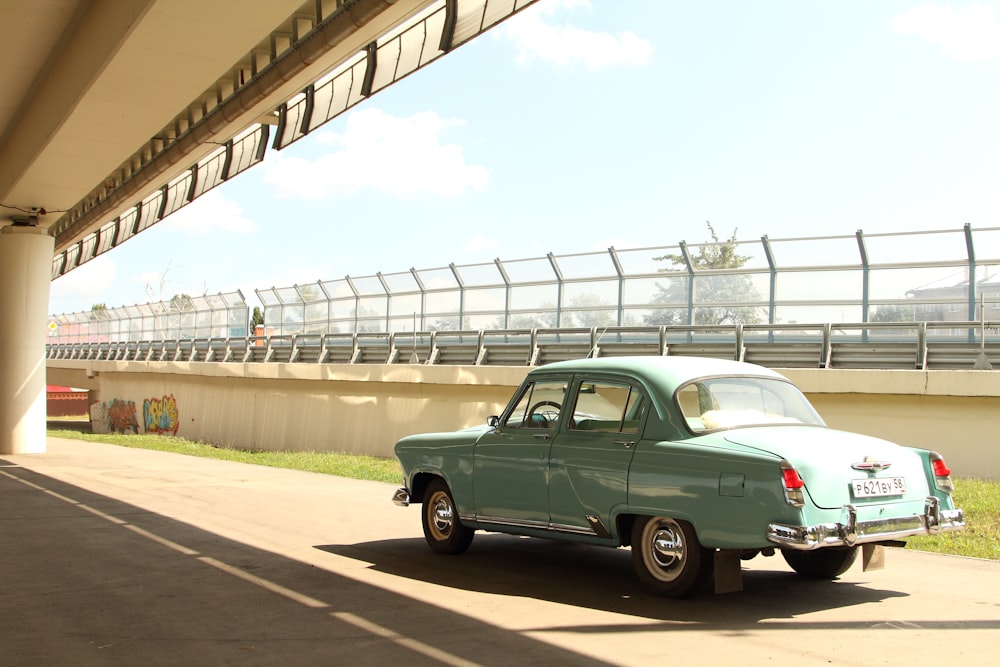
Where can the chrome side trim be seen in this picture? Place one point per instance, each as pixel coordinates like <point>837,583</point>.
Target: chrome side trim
<point>574,530</point>
<point>401,497</point>
<point>516,523</point>
<point>850,531</point>
<point>547,526</point>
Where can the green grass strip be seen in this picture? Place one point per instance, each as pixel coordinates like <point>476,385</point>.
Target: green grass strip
<point>980,500</point>
<point>353,466</point>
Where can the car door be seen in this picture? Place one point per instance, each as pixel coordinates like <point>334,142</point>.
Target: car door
<point>590,457</point>
<point>512,463</point>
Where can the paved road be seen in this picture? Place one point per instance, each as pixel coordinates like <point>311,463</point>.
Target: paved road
<point>115,556</point>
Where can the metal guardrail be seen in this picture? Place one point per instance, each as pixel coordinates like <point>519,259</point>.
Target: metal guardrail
<point>903,345</point>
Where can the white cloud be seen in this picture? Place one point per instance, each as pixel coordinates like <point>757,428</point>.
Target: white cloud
<point>150,281</point>
<point>536,37</point>
<point>162,285</point>
<point>89,281</point>
<point>211,211</point>
<point>967,35</point>
<point>618,243</point>
<point>478,243</point>
<point>380,152</point>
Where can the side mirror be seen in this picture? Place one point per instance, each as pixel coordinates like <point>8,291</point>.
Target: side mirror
<point>493,421</point>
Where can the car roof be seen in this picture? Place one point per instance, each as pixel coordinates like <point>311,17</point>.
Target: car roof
<point>656,370</point>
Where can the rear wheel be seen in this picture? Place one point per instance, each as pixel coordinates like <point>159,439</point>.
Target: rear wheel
<point>668,558</point>
<point>444,533</point>
<point>827,563</point>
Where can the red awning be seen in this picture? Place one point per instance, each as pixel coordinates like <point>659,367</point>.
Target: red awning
<point>56,389</point>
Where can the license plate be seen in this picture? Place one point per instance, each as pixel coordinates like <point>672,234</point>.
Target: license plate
<point>878,487</point>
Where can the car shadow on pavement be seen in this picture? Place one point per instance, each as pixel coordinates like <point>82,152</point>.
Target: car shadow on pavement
<point>597,577</point>
<point>90,580</point>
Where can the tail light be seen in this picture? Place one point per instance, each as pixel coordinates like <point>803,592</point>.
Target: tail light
<point>942,473</point>
<point>792,485</point>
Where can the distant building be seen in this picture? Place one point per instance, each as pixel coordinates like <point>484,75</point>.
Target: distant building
<point>66,401</point>
<point>947,300</point>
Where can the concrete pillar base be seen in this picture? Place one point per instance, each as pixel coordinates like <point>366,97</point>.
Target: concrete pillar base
<point>25,276</point>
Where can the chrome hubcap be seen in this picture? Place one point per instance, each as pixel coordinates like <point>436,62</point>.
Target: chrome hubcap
<point>665,551</point>
<point>668,547</point>
<point>442,516</point>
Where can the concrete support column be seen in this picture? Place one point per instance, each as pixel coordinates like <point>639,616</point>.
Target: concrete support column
<point>25,275</point>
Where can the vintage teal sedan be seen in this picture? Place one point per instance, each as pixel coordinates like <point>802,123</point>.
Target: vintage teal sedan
<point>695,463</point>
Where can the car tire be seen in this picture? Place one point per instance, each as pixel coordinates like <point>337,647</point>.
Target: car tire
<point>443,531</point>
<point>827,563</point>
<point>668,558</point>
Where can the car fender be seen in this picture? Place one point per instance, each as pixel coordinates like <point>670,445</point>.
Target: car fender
<point>728,494</point>
<point>445,455</point>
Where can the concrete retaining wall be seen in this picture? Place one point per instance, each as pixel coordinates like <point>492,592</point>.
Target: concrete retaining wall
<point>365,408</point>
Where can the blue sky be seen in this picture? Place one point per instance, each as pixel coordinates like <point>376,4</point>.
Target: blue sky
<point>577,126</point>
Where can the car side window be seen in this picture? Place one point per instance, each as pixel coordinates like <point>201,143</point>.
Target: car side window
<point>539,406</point>
<point>607,407</point>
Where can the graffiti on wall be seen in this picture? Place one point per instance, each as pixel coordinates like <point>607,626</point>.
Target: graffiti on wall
<point>121,416</point>
<point>160,415</point>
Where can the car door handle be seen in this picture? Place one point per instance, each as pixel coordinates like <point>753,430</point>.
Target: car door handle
<point>542,436</point>
<point>628,444</point>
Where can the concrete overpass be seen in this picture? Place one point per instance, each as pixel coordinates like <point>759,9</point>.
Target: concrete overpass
<point>116,113</point>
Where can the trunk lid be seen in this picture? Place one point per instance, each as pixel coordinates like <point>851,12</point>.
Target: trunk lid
<point>839,467</point>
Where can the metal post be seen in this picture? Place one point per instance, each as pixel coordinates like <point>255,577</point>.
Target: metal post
<point>357,300</point>
<point>690,269</point>
<point>972,279</point>
<point>461,295</point>
<point>388,300</point>
<point>506,282</point>
<point>423,298</point>
<point>771,309</point>
<point>621,285</point>
<point>560,288</point>
<point>865,282</point>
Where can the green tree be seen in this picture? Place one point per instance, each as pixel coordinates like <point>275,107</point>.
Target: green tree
<point>257,318</point>
<point>896,313</point>
<point>729,288</point>
<point>310,293</point>
<point>450,324</point>
<point>583,311</point>
<point>181,302</point>
<point>368,320</point>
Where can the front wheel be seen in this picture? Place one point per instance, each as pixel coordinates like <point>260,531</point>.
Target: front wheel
<point>827,563</point>
<point>444,533</point>
<point>668,558</point>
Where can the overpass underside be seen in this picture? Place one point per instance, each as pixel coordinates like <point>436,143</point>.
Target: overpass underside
<point>124,123</point>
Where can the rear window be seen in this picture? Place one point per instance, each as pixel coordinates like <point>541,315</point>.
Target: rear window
<point>713,404</point>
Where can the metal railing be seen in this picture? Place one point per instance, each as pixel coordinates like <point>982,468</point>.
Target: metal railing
<point>182,318</point>
<point>920,345</point>
<point>769,307</point>
<point>915,276</point>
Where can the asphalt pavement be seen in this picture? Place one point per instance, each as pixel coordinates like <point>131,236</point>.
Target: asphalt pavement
<point>118,556</point>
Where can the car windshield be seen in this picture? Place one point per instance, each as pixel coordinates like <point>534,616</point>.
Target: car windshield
<point>711,404</point>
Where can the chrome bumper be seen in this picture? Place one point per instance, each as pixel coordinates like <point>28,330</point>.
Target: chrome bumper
<point>401,497</point>
<point>850,531</point>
